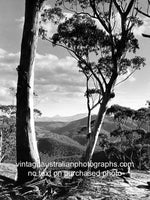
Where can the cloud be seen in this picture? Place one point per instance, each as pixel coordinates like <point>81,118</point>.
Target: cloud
<point>20,22</point>
<point>2,52</point>
<point>49,27</point>
<point>8,64</point>
<point>132,79</point>
<point>55,77</point>
<point>5,94</point>
<point>59,76</point>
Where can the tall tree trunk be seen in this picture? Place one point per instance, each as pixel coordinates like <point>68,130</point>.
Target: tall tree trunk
<point>89,128</point>
<point>89,122</point>
<point>89,108</point>
<point>94,136</point>
<point>27,152</point>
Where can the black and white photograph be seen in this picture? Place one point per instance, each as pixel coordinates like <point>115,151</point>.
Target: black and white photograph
<point>74,99</point>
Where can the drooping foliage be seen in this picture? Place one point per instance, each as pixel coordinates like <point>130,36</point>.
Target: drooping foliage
<point>81,36</point>
<point>99,35</point>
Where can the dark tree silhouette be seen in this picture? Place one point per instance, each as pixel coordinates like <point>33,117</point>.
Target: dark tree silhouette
<point>100,49</point>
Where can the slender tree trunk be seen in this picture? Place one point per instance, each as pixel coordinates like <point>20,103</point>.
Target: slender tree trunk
<point>89,109</point>
<point>89,118</point>
<point>94,136</point>
<point>27,152</point>
<point>89,122</point>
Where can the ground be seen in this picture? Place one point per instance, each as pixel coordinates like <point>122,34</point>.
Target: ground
<point>102,188</point>
<point>116,189</point>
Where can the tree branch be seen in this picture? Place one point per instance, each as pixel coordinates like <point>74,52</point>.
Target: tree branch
<point>102,77</point>
<point>141,12</point>
<point>98,102</point>
<point>60,45</point>
<point>126,77</point>
<point>90,68</point>
<point>82,60</point>
<point>85,13</point>
<point>145,35</point>
<point>78,13</point>
<point>92,4</point>
<point>110,7</point>
<point>129,7</point>
<point>118,7</point>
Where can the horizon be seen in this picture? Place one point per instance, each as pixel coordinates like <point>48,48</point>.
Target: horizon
<point>81,113</point>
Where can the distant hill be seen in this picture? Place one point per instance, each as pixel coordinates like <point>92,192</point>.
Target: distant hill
<point>77,129</point>
<point>69,138</point>
<point>44,127</point>
<point>73,127</point>
<point>55,145</point>
<point>78,126</point>
<point>58,118</point>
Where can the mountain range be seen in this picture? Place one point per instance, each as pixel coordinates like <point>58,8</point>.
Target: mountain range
<point>65,138</point>
<point>59,118</point>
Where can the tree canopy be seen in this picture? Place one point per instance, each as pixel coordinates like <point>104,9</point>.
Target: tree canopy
<point>99,35</point>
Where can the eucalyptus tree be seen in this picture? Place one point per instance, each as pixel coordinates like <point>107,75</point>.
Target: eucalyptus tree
<point>27,151</point>
<point>99,35</point>
<point>134,138</point>
<point>121,115</point>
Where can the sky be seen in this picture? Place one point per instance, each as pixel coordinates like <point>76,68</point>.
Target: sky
<point>59,84</point>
